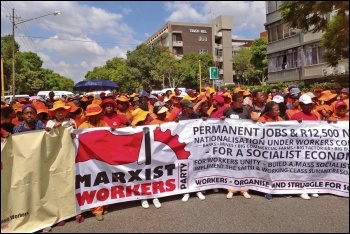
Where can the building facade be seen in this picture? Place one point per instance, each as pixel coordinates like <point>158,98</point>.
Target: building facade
<point>296,56</point>
<point>214,38</point>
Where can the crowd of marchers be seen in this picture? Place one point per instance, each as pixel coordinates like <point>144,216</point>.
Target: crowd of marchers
<point>122,110</point>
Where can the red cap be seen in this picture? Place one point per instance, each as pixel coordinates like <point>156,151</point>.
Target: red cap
<point>340,103</point>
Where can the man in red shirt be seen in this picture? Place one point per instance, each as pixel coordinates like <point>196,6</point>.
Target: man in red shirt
<point>113,119</point>
<point>306,105</point>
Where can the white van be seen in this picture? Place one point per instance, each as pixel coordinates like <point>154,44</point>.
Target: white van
<point>58,94</point>
<point>97,93</point>
<point>9,98</point>
<point>183,91</point>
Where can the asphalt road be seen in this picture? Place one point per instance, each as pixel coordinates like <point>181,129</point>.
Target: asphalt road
<point>217,214</point>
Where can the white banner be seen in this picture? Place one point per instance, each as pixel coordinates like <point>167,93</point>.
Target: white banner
<point>156,161</point>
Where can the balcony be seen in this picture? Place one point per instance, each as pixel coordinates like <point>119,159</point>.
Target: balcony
<point>218,34</point>
<point>218,46</point>
<point>178,43</point>
<point>218,59</point>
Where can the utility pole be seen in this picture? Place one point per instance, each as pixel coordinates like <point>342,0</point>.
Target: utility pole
<point>13,54</point>
<point>14,24</point>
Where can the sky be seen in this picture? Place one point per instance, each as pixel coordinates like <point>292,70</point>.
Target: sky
<point>89,33</point>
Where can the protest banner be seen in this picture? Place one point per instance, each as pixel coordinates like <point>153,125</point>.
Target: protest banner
<point>37,180</point>
<point>40,187</point>
<point>173,158</point>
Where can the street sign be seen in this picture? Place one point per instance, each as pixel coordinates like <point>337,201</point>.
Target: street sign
<point>214,73</point>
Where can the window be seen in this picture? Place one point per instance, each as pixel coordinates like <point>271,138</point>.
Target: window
<point>202,38</point>
<point>218,52</point>
<point>298,59</point>
<point>272,64</point>
<point>313,54</point>
<point>280,32</point>
<point>274,34</point>
<point>280,62</point>
<point>174,37</point>
<point>286,31</point>
<point>320,54</point>
<point>203,51</point>
<point>308,56</point>
<point>271,6</point>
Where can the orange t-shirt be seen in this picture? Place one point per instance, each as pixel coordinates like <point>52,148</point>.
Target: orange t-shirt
<point>157,121</point>
<point>335,117</point>
<point>266,118</point>
<point>332,106</point>
<point>15,121</point>
<point>86,124</point>
<point>79,119</point>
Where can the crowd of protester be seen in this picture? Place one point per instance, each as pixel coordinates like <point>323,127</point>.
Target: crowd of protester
<point>143,108</point>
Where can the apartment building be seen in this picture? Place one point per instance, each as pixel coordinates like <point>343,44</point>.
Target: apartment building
<point>296,56</point>
<point>214,38</point>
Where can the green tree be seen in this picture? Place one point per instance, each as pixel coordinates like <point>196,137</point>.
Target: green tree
<point>6,54</point>
<point>259,59</point>
<point>241,63</point>
<point>30,76</point>
<point>140,63</point>
<point>309,16</point>
<point>114,70</point>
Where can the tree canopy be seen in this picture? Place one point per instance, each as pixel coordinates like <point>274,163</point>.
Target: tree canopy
<point>310,16</point>
<point>30,77</point>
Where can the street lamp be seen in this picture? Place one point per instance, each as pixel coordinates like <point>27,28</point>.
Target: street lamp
<point>13,43</point>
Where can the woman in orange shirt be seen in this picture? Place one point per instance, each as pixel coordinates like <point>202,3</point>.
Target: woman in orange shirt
<point>94,120</point>
<point>295,107</point>
<point>341,112</point>
<point>270,113</point>
<point>161,113</point>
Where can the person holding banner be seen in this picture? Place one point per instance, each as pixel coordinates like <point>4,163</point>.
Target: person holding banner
<point>139,119</point>
<point>60,117</point>
<point>111,117</point>
<point>30,123</point>
<point>258,104</point>
<point>59,113</point>
<point>271,113</point>
<point>187,112</point>
<point>237,111</point>
<point>29,114</point>
<point>341,112</point>
<point>94,120</point>
<point>306,105</point>
<point>161,113</point>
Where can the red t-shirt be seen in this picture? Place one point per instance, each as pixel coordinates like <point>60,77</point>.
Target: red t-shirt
<point>115,120</point>
<point>302,116</point>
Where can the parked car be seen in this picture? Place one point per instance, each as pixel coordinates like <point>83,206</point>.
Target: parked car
<point>58,94</point>
<point>9,98</point>
<point>183,91</point>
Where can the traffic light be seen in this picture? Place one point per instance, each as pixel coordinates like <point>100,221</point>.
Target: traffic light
<point>198,76</point>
